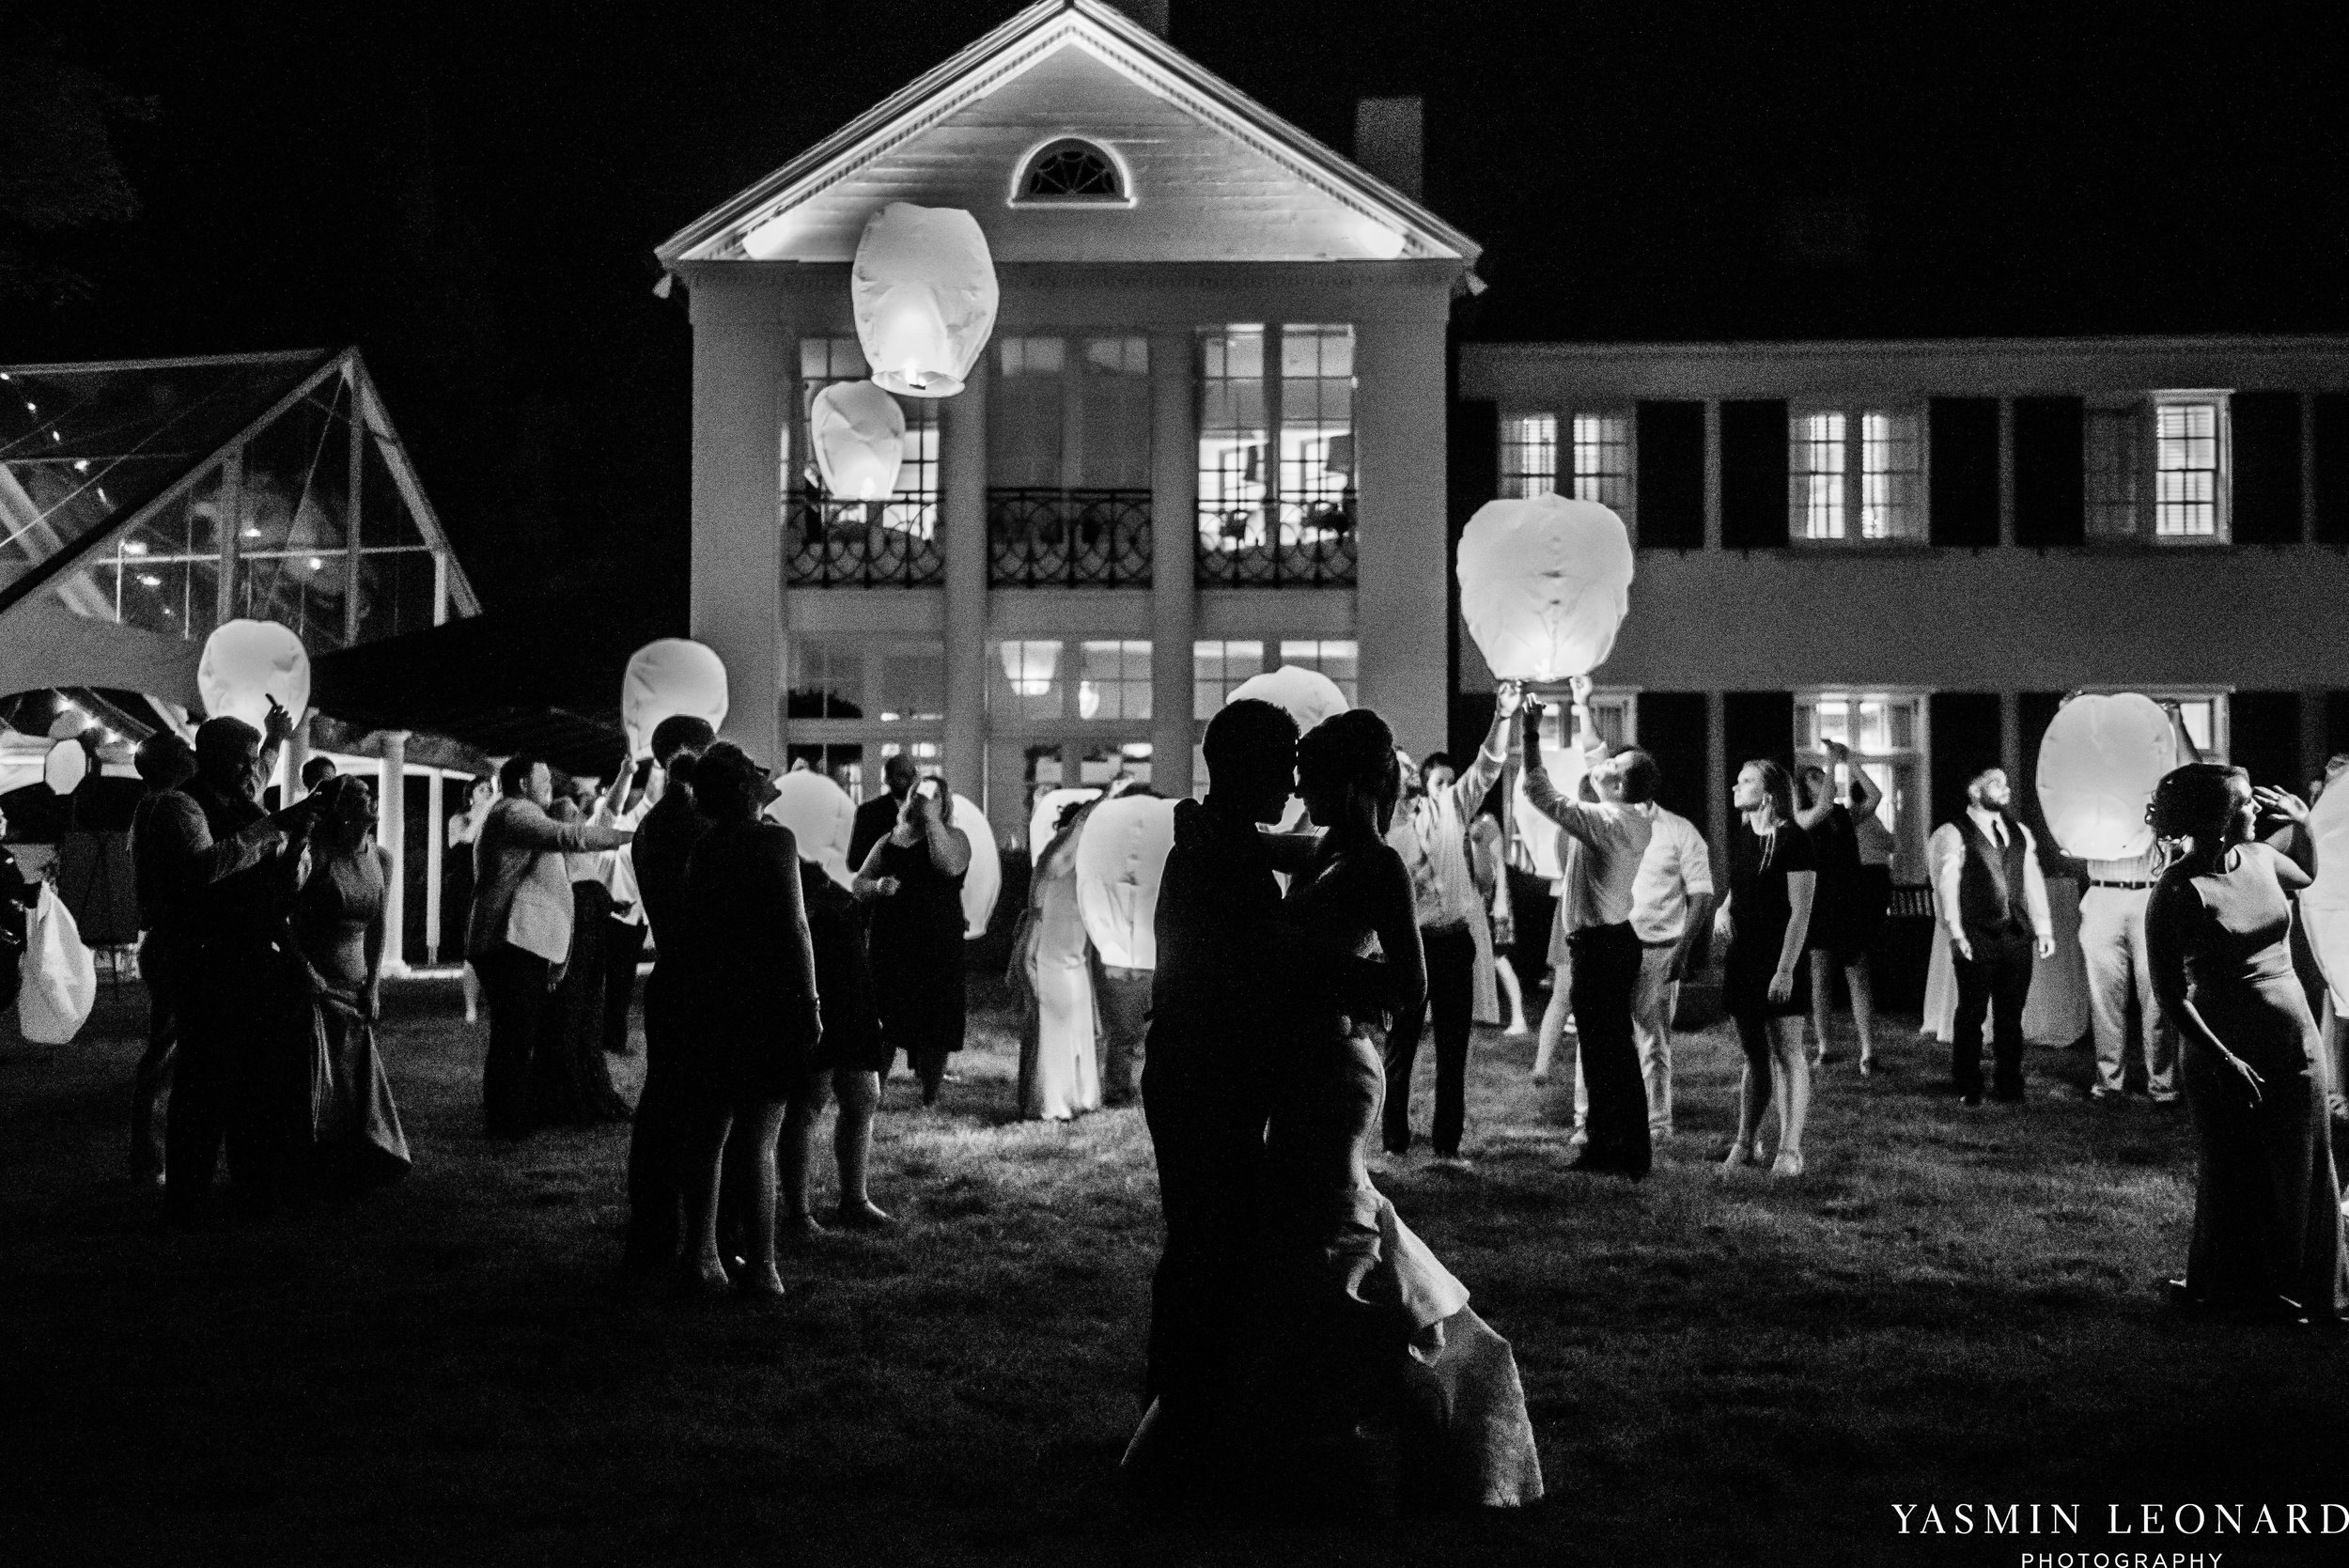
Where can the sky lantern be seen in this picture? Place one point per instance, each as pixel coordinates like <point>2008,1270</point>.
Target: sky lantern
<point>859,433</point>
<point>924,288</point>
<point>984,880</point>
<point>2325,904</point>
<point>1309,695</point>
<point>1043,822</point>
<point>2098,764</point>
<point>1121,855</point>
<point>666,678</point>
<point>820,815</point>
<point>1544,582</point>
<point>245,664</point>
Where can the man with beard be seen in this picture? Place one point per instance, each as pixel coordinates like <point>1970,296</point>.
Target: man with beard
<point>1990,895</point>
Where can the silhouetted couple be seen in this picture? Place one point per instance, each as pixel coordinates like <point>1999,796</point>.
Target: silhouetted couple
<point>1299,1328</point>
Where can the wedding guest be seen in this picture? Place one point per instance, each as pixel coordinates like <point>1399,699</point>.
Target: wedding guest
<point>572,1079</point>
<point>912,880</point>
<point>1488,864</point>
<point>221,902</point>
<point>849,1060</point>
<point>457,886</point>
<point>1121,998</point>
<point>2119,970</point>
<point>1672,912</point>
<point>1059,1078</point>
<point>624,928</point>
<point>1430,832</point>
<point>661,852</point>
<point>165,762</point>
<point>519,933</point>
<point>876,818</point>
<point>336,938</point>
<point>1992,899</point>
<point>1840,930</point>
<point>1871,899</point>
<point>1606,840</point>
<point>756,1017</point>
<point>1773,880</point>
<point>315,772</point>
<point>2267,1234</point>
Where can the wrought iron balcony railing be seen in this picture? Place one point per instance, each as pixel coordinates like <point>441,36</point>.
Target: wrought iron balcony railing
<point>1313,547</point>
<point>1042,538</point>
<point>856,544</point>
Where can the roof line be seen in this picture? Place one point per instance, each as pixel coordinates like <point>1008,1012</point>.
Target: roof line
<point>1560,349</point>
<point>377,420</point>
<point>184,362</point>
<point>43,572</point>
<point>1276,137</point>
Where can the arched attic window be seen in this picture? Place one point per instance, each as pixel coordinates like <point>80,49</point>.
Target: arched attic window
<point>1071,172</point>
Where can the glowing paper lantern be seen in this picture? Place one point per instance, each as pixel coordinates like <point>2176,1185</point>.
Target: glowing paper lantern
<point>1120,857</point>
<point>667,678</point>
<point>2325,904</point>
<point>245,663</point>
<point>1041,823</point>
<point>2098,764</point>
<point>923,289</point>
<point>1544,582</point>
<point>1309,695</point>
<point>859,433</point>
<point>66,765</point>
<point>820,815</point>
<point>984,880</point>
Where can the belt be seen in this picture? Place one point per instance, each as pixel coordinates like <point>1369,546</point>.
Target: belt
<point>2134,887</point>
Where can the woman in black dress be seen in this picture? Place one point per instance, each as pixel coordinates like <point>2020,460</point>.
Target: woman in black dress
<point>849,1060</point>
<point>755,1027</point>
<point>1764,984</point>
<point>914,879</point>
<point>2267,1223</point>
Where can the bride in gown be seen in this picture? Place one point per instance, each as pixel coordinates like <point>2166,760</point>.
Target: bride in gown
<point>1367,1327</point>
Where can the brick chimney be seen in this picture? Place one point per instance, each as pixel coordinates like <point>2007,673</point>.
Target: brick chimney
<point>1387,141</point>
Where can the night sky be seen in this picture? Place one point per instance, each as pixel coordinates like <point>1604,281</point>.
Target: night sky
<point>471,194</point>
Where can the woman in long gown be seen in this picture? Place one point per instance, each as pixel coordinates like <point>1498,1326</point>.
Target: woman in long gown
<point>571,1082</point>
<point>1363,1320</point>
<point>338,929</point>
<point>1059,1074</point>
<point>2267,1223</point>
<point>915,876</point>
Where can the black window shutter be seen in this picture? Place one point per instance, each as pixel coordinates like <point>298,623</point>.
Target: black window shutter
<point>1963,731</point>
<point>2048,476</point>
<point>2332,467</point>
<point>2265,441</point>
<point>1753,474</point>
<point>1758,726</point>
<point>1672,730</point>
<point>2263,735</point>
<point>1962,471</point>
<point>1669,500</point>
<point>2034,712</point>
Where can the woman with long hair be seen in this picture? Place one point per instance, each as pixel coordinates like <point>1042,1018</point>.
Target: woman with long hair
<point>915,875</point>
<point>752,979</point>
<point>1842,926</point>
<point>1059,1076</point>
<point>2267,1223</point>
<point>1764,984</point>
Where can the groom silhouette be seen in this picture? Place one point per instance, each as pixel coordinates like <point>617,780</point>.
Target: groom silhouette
<point>1205,1086</point>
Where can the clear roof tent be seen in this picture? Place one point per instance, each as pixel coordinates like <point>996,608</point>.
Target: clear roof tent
<point>166,496</point>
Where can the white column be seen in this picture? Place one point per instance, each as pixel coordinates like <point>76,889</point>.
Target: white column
<point>1173,577</point>
<point>962,524</point>
<point>391,832</point>
<point>739,380</point>
<point>1403,553</point>
<point>436,831</point>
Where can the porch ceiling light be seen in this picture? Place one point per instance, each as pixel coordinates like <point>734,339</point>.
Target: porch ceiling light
<point>1121,855</point>
<point>1545,584</point>
<point>1029,666</point>
<point>860,438</point>
<point>923,289</point>
<point>246,664</point>
<point>2098,764</point>
<point>672,677</point>
<point>820,815</point>
<point>65,766</point>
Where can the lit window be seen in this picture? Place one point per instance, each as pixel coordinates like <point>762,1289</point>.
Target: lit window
<point>1339,661</point>
<point>1886,734</point>
<point>1529,455</point>
<point>1276,455</point>
<point>1882,493</point>
<point>1216,668</point>
<point>913,506</point>
<point>1602,460</point>
<point>1072,171</point>
<point>2186,471</point>
<point>824,680</point>
<point>1115,682</point>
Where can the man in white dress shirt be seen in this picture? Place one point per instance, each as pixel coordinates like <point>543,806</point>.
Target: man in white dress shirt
<point>1672,912</point>
<point>2112,949</point>
<point>1992,899</point>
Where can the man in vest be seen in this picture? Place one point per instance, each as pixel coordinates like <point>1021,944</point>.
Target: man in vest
<point>1992,899</point>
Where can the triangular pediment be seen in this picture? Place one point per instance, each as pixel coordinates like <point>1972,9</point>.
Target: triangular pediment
<point>1212,176</point>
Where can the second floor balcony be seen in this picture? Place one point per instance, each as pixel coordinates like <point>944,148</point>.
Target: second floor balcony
<point>1075,538</point>
<point>857,544</point>
<point>1303,545</point>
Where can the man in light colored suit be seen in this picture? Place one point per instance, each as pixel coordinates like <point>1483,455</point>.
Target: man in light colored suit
<point>519,933</point>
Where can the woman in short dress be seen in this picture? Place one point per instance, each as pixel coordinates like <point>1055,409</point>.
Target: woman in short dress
<point>1764,984</point>
<point>914,880</point>
<point>848,1062</point>
<point>2267,1223</point>
<point>1845,913</point>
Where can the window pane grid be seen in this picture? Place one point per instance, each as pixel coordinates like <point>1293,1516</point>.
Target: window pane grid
<point>1276,455</point>
<point>1339,661</point>
<point>831,541</point>
<point>2186,470</point>
<point>1817,477</point>
<point>1602,460</point>
<point>1217,668</point>
<point>1529,455</point>
<point>1887,477</point>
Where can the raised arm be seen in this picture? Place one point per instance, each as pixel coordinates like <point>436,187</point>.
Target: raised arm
<point>1584,820</point>
<point>186,842</point>
<point>2294,811</point>
<point>534,829</point>
<point>1866,794</point>
<point>1484,771</point>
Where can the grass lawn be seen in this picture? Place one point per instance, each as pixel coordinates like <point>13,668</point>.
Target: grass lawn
<point>1952,1307</point>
